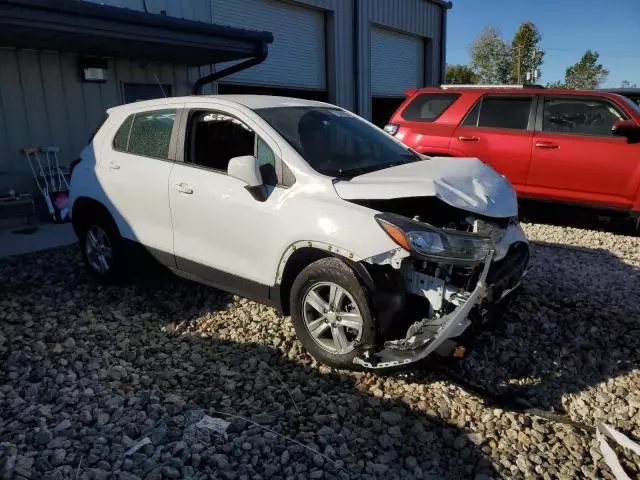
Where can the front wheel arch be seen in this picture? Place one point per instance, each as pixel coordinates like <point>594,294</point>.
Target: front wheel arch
<point>301,258</point>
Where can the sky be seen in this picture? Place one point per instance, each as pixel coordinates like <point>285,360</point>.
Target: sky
<point>568,28</point>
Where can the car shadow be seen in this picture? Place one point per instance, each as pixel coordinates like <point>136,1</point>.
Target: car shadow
<point>146,360</point>
<point>575,326</point>
<point>577,217</point>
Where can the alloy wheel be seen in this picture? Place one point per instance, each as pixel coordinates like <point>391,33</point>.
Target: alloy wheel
<point>332,318</point>
<point>98,249</point>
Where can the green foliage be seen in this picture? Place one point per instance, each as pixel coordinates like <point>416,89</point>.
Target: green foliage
<point>627,84</point>
<point>491,57</point>
<point>587,74</point>
<point>459,75</point>
<point>526,52</point>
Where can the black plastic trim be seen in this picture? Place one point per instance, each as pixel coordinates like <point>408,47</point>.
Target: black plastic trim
<point>201,82</point>
<point>162,257</point>
<point>258,192</point>
<point>229,282</point>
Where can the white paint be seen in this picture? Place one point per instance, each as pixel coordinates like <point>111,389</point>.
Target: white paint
<point>245,169</point>
<point>605,431</point>
<point>465,183</point>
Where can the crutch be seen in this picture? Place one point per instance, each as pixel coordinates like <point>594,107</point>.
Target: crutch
<point>31,154</point>
<point>52,153</point>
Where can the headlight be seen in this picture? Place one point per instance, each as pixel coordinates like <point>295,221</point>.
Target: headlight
<point>434,243</point>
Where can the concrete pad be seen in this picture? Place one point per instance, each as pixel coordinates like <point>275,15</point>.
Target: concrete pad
<point>47,235</point>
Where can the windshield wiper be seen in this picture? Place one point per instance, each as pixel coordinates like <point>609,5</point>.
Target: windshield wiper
<point>353,172</point>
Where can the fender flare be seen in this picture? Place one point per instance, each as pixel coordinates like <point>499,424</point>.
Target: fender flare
<point>332,250</point>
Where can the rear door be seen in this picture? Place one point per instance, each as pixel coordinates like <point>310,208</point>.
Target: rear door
<point>498,130</point>
<point>134,173</point>
<point>575,156</point>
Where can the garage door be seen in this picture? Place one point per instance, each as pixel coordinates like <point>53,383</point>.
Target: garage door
<point>297,56</point>
<point>397,63</point>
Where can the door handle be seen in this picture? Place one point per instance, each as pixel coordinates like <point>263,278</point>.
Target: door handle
<point>468,139</point>
<point>184,188</point>
<point>547,145</point>
<point>114,166</point>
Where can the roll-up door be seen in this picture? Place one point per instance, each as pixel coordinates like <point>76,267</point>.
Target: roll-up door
<point>297,57</point>
<point>396,62</point>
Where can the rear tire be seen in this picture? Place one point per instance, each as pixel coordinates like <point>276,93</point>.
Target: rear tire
<point>102,248</point>
<point>331,313</point>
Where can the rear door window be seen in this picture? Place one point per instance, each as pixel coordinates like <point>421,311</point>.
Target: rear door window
<point>580,116</point>
<point>500,112</point>
<point>427,107</point>
<point>151,133</point>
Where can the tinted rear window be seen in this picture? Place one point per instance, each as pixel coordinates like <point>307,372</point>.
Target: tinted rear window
<point>427,107</point>
<point>500,112</point>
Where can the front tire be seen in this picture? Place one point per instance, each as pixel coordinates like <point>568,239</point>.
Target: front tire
<point>102,248</point>
<point>331,312</point>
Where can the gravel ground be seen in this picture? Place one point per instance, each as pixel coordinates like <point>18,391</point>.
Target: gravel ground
<point>89,370</point>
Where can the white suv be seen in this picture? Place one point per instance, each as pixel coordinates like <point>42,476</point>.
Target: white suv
<point>380,255</point>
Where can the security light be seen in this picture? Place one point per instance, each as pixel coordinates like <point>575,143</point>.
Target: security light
<point>93,70</point>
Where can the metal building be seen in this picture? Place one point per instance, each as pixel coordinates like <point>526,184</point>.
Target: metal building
<point>64,62</point>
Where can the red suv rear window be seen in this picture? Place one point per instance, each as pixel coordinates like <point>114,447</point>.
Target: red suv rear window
<point>427,107</point>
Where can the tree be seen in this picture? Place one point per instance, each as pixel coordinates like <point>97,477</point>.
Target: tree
<point>587,74</point>
<point>526,53</point>
<point>460,74</point>
<point>627,84</point>
<point>490,57</point>
<point>557,84</point>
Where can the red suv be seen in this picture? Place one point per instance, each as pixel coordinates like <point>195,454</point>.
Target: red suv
<point>561,145</point>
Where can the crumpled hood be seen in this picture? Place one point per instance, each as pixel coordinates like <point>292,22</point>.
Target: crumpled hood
<point>464,183</point>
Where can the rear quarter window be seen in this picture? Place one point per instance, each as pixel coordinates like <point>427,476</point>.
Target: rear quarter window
<point>121,139</point>
<point>427,107</point>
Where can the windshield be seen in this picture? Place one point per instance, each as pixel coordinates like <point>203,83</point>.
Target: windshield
<point>335,142</point>
<point>633,101</point>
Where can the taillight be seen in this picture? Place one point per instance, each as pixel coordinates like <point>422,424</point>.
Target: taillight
<point>391,128</point>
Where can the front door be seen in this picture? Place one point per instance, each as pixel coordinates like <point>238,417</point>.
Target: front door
<point>498,131</point>
<point>575,156</point>
<point>221,233</point>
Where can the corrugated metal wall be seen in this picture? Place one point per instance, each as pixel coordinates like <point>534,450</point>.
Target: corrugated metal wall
<point>43,102</point>
<point>418,17</point>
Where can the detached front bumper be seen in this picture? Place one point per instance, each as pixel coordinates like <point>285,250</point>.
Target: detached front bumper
<point>496,282</point>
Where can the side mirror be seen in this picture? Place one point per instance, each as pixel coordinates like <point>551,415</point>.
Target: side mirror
<point>247,170</point>
<point>627,129</point>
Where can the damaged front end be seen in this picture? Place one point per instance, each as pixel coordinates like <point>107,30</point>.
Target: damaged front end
<point>443,284</point>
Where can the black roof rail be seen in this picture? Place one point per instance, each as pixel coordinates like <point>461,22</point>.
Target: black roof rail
<point>491,86</point>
